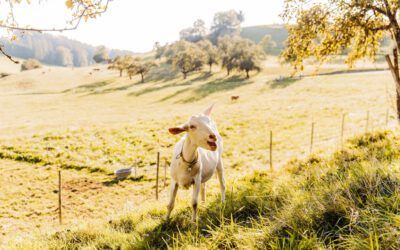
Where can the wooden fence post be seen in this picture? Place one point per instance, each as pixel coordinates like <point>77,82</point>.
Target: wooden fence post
<point>312,137</point>
<point>165,173</point>
<point>59,198</point>
<point>367,122</point>
<point>136,162</point>
<point>387,118</point>
<point>270,151</point>
<point>342,131</point>
<point>157,174</point>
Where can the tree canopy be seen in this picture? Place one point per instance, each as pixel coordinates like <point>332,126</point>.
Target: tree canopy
<point>195,33</point>
<point>324,28</point>
<point>226,23</point>
<point>139,67</point>
<point>185,56</point>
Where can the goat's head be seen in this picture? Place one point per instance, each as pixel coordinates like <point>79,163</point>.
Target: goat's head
<point>200,130</point>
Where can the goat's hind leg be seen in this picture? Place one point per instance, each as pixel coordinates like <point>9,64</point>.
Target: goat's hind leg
<point>174,191</point>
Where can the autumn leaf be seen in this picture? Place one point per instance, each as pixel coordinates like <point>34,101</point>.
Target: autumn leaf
<point>69,4</point>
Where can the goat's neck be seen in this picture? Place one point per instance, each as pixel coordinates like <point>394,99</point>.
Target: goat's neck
<point>189,150</point>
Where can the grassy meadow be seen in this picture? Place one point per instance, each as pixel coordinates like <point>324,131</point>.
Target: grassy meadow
<point>89,123</point>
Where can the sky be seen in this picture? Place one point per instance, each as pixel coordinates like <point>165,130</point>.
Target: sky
<point>137,25</point>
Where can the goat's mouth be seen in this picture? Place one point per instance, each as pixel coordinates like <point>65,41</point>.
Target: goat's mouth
<point>212,145</point>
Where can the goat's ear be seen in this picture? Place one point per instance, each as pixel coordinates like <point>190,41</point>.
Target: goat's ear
<point>179,129</point>
<point>207,112</point>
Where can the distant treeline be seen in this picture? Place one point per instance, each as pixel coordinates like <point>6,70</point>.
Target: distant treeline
<point>55,50</point>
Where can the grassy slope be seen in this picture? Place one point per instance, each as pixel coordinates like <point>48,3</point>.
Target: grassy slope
<point>349,200</point>
<point>80,119</point>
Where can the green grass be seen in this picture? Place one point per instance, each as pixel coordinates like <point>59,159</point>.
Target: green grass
<point>89,123</point>
<point>350,200</point>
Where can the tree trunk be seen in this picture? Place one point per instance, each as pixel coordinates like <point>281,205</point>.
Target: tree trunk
<point>141,74</point>
<point>120,73</point>
<point>228,72</point>
<point>210,67</point>
<point>394,69</point>
<point>184,75</point>
<point>247,74</point>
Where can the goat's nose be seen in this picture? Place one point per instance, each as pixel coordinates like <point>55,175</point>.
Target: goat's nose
<point>213,137</point>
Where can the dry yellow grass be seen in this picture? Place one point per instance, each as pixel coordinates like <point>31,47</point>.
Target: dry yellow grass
<point>96,121</point>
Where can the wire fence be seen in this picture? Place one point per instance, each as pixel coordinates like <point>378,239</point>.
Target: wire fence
<point>327,138</point>
<point>316,137</point>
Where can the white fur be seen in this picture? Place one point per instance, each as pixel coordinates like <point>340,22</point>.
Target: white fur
<point>198,130</point>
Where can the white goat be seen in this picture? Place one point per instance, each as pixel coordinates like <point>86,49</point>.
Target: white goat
<point>196,157</point>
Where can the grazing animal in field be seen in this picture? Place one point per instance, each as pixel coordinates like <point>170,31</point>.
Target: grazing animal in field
<point>235,98</point>
<point>96,69</point>
<point>196,157</point>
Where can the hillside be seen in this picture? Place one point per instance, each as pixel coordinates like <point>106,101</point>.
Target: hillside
<point>278,34</point>
<point>88,122</point>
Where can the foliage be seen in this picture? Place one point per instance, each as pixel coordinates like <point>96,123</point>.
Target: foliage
<point>30,64</point>
<point>185,56</point>
<point>240,54</point>
<point>324,29</point>
<point>63,56</point>
<point>267,44</point>
<point>195,33</point>
<point>212,56</point>
<point>141,67</point>
<point>226,23</point>
<point>101,55</point>
<point>121,63</point>
<point>160,50</point>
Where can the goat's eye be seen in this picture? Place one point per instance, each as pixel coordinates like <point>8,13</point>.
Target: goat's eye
<point>192,127</point>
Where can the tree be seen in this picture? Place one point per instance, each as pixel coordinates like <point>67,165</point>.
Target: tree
<point>101,55</point>
<point>159,49</point>
<point>328,28</point>
<point>138,66</point>
<point>226,23</point>
<point>30,64</point>
<point>211,52</point>
<point>240,54</point>
<point>226,46</point>
<point>121,63</point>
<point>185,56</point>
<point>267,44</point>
<point>195,33</point>
<point>63,57</point>
<point>78,9</point>
<point>250,56</point>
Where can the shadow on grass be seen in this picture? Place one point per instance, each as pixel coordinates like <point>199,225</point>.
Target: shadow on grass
<point>218,85</point>
<point>151,89</point>
<point>164,72</point>
<point>110,90</point>
<point>283,82</point>
<point>116,181</point>
<point>88,87</point>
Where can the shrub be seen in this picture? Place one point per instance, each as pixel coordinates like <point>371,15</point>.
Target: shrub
<point>30,64</point>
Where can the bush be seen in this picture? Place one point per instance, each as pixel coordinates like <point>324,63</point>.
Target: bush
<point>30,64</point>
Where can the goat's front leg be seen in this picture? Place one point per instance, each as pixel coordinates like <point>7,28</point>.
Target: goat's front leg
<point>195,197</point>
<point>221,178</point>
<point>203,192</point>
<point>174,191</point>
